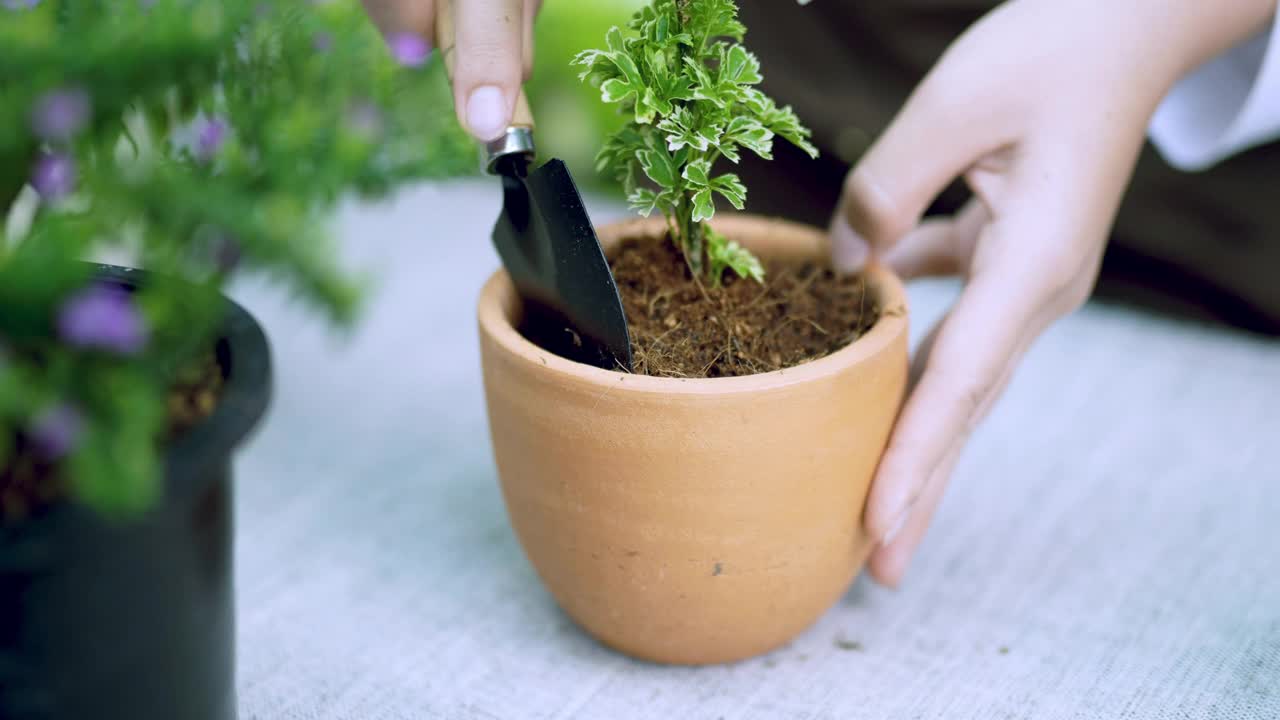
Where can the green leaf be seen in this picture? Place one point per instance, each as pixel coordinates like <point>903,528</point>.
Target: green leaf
<point>587,57</point>
<point>115,466</point>
<point>698,172</point>
<point>614,41</point>
<point>659,166</point>
<point>681,157</point>
<point>598,66</point>
<point>679,132</point>
<point>661,105</point>
<point>673,87</point>
<point>619,151</point>
<point>703,86</point>
<point>678,136</point>
<point>646,110</point>
<point>782,121</point>
<point>725,254</point>
<point>656,61</point>
<point>716,18</point>
<point>703,207</point>
<point>738,67</point>
<point>615,90</point>
<point>643,201</point>
<point>613,69</point>
<point>731,187</point>
<point>750,133</point>
<point>642,18</point>
<point>628,68</point>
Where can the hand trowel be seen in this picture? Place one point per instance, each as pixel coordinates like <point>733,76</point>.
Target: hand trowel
<point>548,245</point>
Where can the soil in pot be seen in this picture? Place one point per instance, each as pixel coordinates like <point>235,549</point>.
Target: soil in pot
<point>30,482</point>
<point>682,327</point>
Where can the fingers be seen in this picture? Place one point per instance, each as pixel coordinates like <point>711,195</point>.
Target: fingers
<point>490,46</point>
<point>489,64</point>
<point>938,135</point>
<point>408,25</point>
<point>1021,280</point>
<point>939,247</point>
<point>394,16</point>
<point>888,563</point>
<point>971,356</point>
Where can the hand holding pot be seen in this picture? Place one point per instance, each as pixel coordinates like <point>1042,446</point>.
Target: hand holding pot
<point>494,52</point>
<point>1042,107</point>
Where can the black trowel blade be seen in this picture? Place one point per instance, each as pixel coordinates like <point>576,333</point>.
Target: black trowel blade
<point>549,248</point>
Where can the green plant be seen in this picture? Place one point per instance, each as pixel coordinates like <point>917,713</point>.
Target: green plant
<point>571,120</point>
<point>687,87</point>
<point>202,138</point>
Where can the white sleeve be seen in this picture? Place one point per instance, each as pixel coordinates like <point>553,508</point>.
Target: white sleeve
<point>1226,106</point>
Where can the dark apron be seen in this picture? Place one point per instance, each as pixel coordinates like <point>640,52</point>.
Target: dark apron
<point>1206,245</point>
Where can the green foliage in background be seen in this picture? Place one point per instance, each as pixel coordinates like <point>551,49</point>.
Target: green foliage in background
<point>687,88</point>
<point>571,120</point>
<point>204,138</point>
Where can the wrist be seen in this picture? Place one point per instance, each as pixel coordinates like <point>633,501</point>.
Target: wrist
<point>1199,31</point>
<point>1150,45</point>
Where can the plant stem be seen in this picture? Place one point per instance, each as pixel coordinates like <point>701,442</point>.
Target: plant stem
<point>690,239</point>
<point>690,246</point>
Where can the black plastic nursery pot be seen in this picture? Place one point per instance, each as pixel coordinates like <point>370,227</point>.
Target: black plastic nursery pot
<point>135,620</point>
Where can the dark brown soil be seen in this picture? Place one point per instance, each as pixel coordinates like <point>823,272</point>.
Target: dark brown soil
<point>30,483</point>
<point>194,396</point>
<point>683,328</point>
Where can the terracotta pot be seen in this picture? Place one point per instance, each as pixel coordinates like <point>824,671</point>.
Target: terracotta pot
<point>693,521</point>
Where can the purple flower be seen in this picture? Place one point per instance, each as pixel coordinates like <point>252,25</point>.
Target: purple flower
<point>365,119</point>
<point>322,42</point>
<point>60,114</point>
<point>213,133</point>
<point>54,176</point>
<point>20,4</point>
<point>56,430</point>
<point>409,50</point>
<point>103,316</point>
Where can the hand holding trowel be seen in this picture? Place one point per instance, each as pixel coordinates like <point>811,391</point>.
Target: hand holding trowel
<point>547,243</point>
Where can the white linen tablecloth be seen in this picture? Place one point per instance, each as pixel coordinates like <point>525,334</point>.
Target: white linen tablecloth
<point>1110,546</point>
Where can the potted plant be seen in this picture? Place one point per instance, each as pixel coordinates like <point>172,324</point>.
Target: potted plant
<point>708,507</point>
<point>195,139</point>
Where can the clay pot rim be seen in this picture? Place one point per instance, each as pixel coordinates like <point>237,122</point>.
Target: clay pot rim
<point>498,301</point>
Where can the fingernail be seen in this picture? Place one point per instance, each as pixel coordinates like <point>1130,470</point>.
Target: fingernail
<point>896,528</point>
<point>849,251</point>
<point>409,50</point>
<point>486,112</point>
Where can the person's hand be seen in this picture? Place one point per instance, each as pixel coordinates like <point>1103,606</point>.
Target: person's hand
<point>494,52</point>
<point>1042,107</point>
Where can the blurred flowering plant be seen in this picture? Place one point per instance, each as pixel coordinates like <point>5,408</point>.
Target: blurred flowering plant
<point>202,137</point>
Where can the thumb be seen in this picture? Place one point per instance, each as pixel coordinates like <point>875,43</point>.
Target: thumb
<point>490,64</point>
<point>937,135</point>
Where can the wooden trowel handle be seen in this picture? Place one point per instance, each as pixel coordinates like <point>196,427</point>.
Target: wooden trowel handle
<point>519,136</point>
